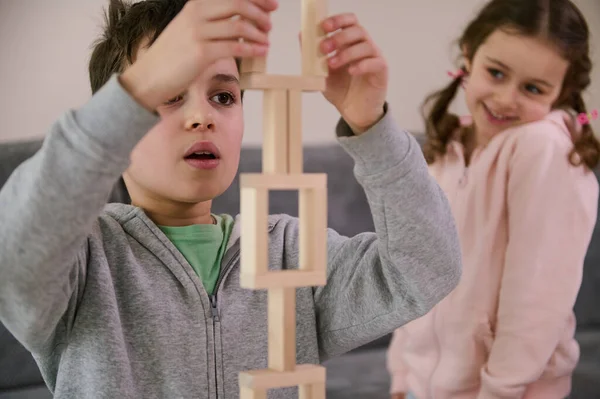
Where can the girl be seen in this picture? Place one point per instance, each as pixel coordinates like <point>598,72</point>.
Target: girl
<point>519,182</point>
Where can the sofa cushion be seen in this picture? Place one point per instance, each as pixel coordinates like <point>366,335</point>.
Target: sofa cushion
<point>586,307</point>
<point>348,213</point>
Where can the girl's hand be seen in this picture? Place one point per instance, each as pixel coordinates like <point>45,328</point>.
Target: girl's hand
<point>358,73</point>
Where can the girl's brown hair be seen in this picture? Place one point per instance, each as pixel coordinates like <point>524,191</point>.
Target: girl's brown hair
<point>558,21</point>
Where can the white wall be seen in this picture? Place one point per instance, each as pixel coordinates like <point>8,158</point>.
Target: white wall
<point>45,47</point>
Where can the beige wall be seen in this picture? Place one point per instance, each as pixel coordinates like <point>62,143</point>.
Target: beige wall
<point>45,45</point>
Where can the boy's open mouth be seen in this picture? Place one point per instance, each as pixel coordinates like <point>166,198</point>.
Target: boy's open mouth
<point>202,150</point>
<point>201,155</point>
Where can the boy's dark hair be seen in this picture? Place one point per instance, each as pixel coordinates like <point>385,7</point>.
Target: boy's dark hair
<point>558,21</point>
<point>127,24</point>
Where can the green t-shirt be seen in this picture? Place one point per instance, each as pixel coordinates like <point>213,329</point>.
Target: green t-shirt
<point>203,246</point>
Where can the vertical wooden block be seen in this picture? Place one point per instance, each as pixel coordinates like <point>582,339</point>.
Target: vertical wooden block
<point>256,64</point>
<point>312,391</point>
<point>313,61</point>
<point>254,209</point>
<point>295,150</point>
<point>252,64</point>
<point>275,113</point>
<point>313,229</point>
<point>282,329</point>
<point>252,393</point>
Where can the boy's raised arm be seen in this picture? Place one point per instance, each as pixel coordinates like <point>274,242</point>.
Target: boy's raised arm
<point>49,204</point>
<point>377,282</point>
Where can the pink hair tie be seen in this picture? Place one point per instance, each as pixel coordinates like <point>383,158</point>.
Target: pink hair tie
<point>585,119</point>
<point>458,74</point>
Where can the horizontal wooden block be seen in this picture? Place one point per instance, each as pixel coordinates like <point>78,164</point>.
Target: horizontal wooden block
<point>304,374</point>
<point>284,279</point>
<point>261,81</point>
<point>249,393</point>
<point>267,181</point>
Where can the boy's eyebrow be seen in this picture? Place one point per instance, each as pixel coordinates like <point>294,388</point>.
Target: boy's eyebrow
<point>225,78</point>
<point>503,65</point>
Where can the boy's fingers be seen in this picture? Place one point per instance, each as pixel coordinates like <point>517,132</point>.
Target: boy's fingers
<point>267,5</point>
<point>234,48</point>
<point>344,38</point>
<point>338,21</point>
<point>352,54</point>
<point>246,9</point>
<point>235,29</point>
<point>371,65</point>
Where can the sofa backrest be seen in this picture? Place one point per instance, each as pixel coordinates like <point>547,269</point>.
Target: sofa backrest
<point>348,213</point>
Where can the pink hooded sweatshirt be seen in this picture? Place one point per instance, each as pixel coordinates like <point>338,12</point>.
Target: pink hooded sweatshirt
<point>525,216</point>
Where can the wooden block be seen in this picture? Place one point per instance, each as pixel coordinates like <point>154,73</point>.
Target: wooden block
<point>254,252</point>
<point>283,279</point>
<point>313,229</point>
<point>249,393</point>
<point>252,64</point>
<point>275,125</point>
<point>282,329</point>
<point>256,64</point>
<point>261,81</point>
<point>295,149</point>
<point>303,181</point>
<point>314,63</point>
<point>304,374</point>
<point>312,391</point>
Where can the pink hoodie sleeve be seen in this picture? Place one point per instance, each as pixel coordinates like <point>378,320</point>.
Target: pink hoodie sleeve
<point>552,210</point>
<point>395,365</point>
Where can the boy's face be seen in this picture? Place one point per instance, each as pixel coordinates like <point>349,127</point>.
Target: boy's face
<point>192,155</point>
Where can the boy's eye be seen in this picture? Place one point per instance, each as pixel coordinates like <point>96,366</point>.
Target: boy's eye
<point>174,100</point>
<point>533,89</point>
<point>224,98</point>
<point>496,73</point>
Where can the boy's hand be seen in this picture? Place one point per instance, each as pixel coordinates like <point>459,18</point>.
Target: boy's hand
<point>358,72</point>
<point>202,33</point>
<point>398,396</point>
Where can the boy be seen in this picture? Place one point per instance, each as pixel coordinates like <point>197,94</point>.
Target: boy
<point>143,300</point>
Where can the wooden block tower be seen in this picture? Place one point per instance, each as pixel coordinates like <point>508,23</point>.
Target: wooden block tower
<point>282,169</point>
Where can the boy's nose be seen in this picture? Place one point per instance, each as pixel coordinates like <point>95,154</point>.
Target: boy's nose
<point>199,122</point>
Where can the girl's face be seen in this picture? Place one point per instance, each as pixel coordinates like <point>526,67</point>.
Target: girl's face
<point>512,80</point>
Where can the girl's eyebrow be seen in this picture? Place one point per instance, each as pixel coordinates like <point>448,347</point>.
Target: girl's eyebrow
<point>503,65</point>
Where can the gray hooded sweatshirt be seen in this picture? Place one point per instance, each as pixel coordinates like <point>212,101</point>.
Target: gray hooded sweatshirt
<point>110,309</point>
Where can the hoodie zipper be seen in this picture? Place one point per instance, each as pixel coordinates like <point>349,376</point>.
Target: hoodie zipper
<point>215,312</point>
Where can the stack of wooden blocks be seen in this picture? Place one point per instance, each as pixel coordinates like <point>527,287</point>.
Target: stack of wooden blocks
<point>282,169</point>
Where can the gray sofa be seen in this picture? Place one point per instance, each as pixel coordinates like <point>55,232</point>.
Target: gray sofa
<point>359,374</point>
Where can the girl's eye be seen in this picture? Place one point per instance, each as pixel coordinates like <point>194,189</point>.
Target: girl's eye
<point>496,73</point>
<point>174,100</point>
<point>533,89</point>
<point>224,98</point>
